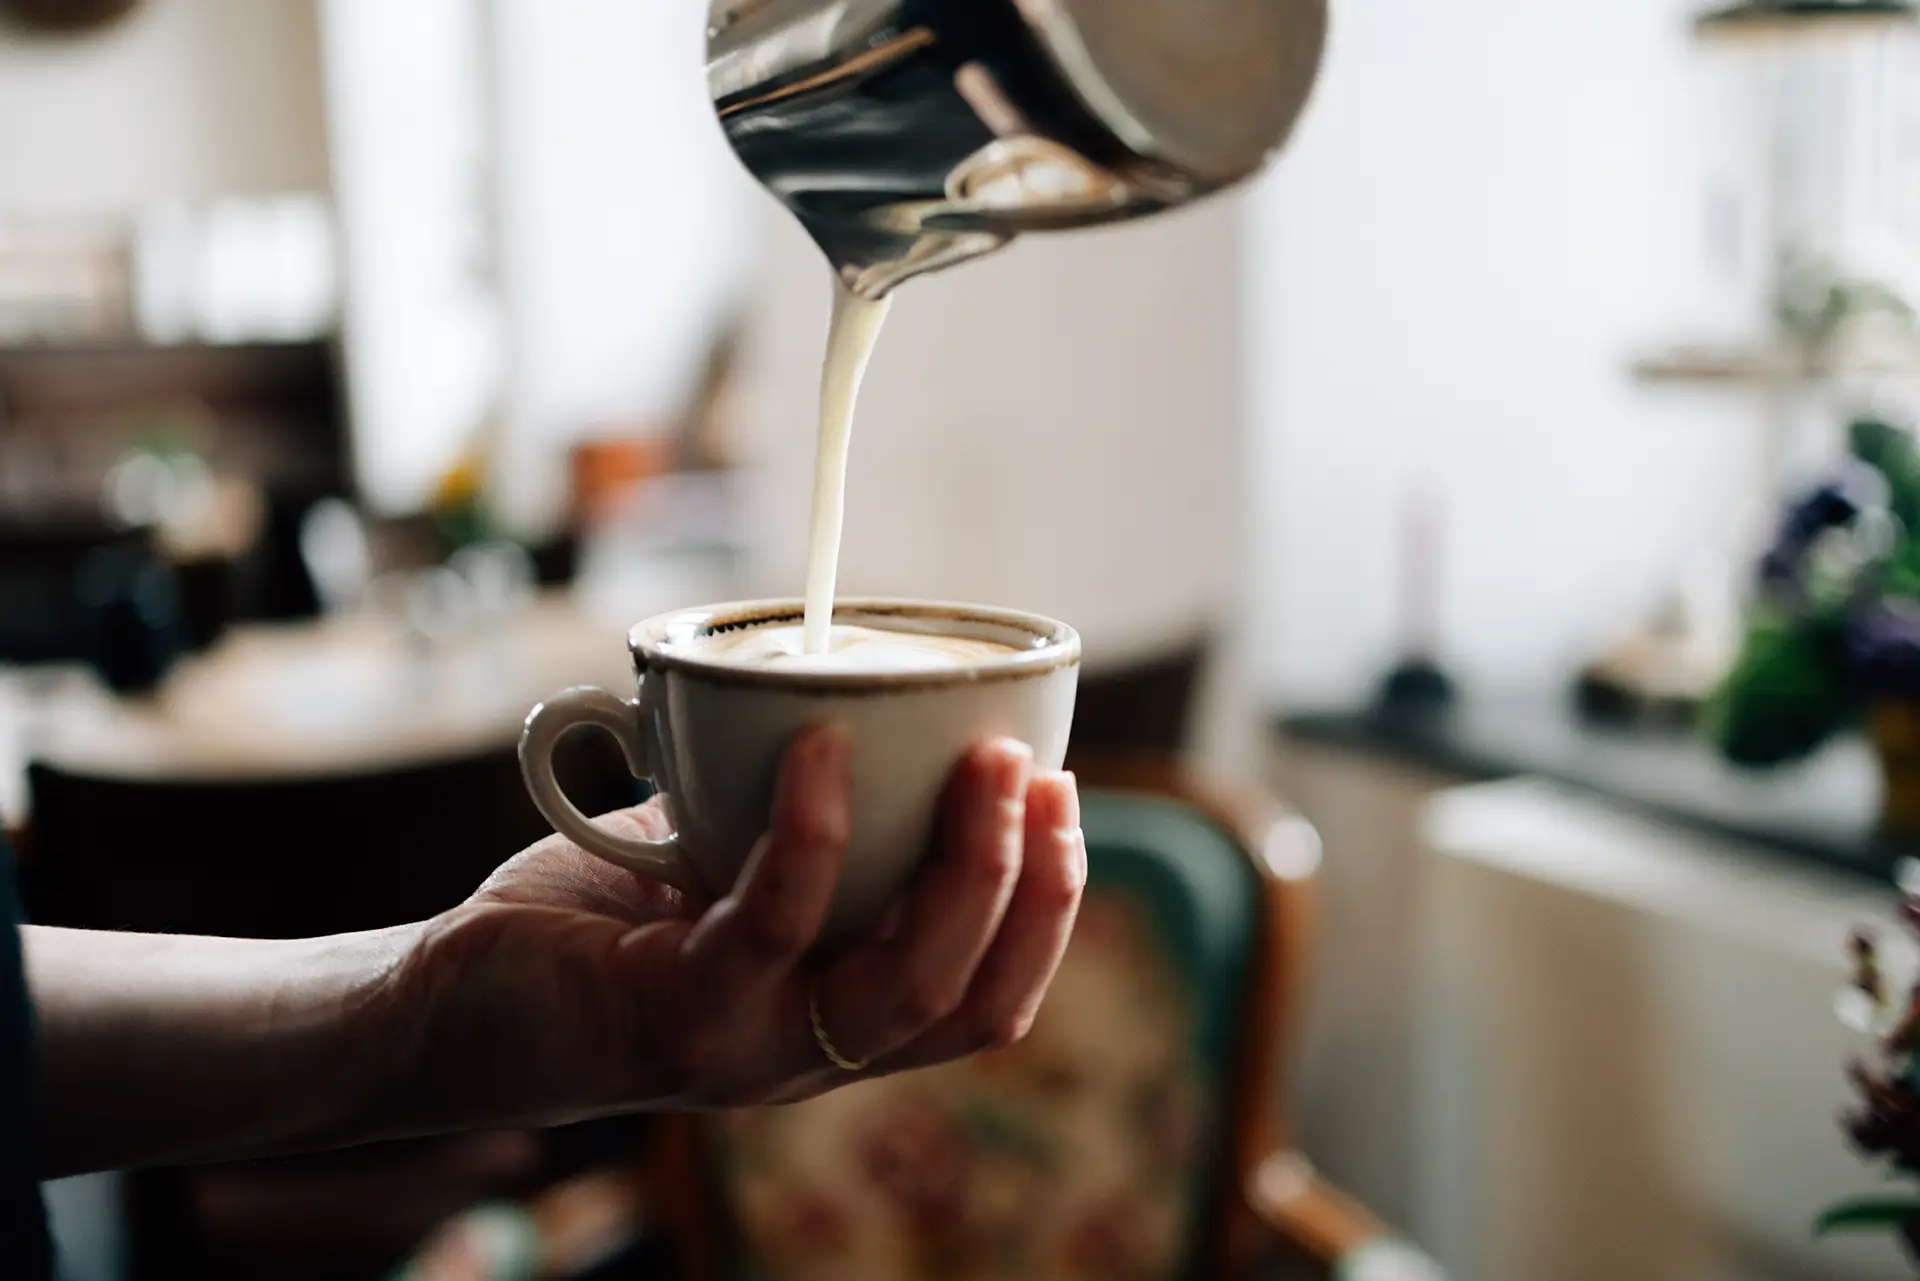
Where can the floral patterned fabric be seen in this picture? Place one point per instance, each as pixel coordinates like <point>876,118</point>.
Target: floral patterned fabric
<point>1080,1153</point>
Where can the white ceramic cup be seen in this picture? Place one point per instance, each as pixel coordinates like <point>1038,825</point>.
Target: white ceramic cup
<point>710,736</point>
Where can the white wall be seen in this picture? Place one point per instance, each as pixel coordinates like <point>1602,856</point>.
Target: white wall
<point>187,98</point>
<point>622,223</point>
<point>544,232</point>
<point>1492,206</point>
<point>406,99</point>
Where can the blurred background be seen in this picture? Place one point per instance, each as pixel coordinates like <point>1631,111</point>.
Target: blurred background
<point>367,369</point>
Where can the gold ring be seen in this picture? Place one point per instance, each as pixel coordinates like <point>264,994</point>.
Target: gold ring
<point>821,1038</point>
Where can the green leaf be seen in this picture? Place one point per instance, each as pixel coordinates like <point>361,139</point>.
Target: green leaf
<point>1867,1212</point>
<point>1786,694</point>
<point>1890,450</point>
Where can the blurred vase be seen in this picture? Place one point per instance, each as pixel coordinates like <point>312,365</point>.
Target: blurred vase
<point>607,472</point>
<point>132,601</point>
<point>1895,729</point>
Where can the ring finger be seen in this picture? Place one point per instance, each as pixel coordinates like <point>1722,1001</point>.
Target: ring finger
<point>1013,978</point>
<point>889,992</point>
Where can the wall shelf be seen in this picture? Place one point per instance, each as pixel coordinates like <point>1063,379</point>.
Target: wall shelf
<point>1778,19</point>
<point>1724,366</point>
<point>1761,367</point>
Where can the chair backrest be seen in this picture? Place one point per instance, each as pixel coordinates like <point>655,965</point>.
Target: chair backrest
<point>1106,1145</point>
<point>285,857</point>
<point>1145,706</point>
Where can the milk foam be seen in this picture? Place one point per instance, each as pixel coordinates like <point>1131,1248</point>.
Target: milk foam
<point>850,649</point>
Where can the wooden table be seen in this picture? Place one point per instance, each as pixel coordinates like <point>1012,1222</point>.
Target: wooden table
<point>337,696</point>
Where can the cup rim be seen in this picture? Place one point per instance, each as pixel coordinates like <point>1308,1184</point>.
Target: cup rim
<point>1058,645</point>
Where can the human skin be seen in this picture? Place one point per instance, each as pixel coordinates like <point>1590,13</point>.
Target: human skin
<point>564,988</point>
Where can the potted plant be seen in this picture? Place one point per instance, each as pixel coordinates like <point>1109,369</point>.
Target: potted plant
<point>1884,1125</point>
<point>1833,635</point>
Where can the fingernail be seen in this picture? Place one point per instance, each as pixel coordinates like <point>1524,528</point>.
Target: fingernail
<point>1068,787</point>
<point>1010,767</point>
<point>1066,829</point>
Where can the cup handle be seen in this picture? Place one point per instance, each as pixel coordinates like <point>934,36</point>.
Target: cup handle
<point>548,723</point>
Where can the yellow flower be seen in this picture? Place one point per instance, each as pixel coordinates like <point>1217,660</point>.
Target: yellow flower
<point>459,486</point>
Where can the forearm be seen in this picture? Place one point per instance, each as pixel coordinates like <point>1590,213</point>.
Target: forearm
<point>159,1049</point>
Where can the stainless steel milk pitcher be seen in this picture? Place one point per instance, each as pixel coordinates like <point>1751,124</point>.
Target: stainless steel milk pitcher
<point>908,135</point>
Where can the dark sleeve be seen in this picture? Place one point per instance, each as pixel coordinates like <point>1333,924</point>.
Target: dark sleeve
<point>24,1247</point>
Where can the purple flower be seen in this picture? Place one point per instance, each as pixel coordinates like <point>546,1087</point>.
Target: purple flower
<point>1887,1123</point>
<point>1834,505</point>
<point>1882,647</point>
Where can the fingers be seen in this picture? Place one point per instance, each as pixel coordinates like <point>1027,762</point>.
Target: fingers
<point>753,938</point>
<point>1012,979</point>
<point>888,993</point>
<point>972,950</point>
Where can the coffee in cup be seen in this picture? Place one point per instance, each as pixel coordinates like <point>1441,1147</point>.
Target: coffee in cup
<point>723,690</point>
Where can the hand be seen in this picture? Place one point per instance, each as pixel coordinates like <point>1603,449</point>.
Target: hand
<point>567,988</point>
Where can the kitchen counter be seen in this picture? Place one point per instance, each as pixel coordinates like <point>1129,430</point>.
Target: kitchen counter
<point>1822,810</point>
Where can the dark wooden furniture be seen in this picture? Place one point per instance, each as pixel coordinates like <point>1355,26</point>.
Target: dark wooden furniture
<point>271,415</point>
<point>1143,706</point>
<point>271,412</point>
<point>346,853</point>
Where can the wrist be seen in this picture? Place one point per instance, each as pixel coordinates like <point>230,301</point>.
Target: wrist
<point>344,1030</point>
<point>435,1047</point>
<point>510,1016</point>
